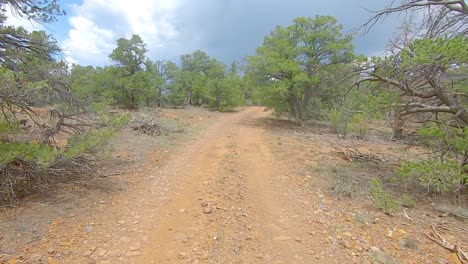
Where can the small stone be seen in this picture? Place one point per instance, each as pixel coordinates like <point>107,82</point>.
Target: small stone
<point>182,255</point>
<point>249,227</point>
<point>102,202</point>
<point>249,238</point>
<point>344,243</point>
<point>121,222</point>
<point>101,252</point>
<point>133,254</point>
<point>114,254</point>
<point>207,210</point>
<point>204,256</point>
<point>35,258</point>
<point>182,211</point>
<point>51,250</point>
<point>88,253</point>
<point>204,204</point>
<point>135,247</point>
<point>88,229</point>
<point>298,239</point>
<point>259,256</point>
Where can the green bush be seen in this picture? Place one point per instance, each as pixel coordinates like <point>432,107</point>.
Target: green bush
<point>382,199</point>
<point>359,124</point>
<point>339,121</point>
<point>30,152</point>
<point>436,175</point>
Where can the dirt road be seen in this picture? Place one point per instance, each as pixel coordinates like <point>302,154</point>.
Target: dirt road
<point>240,192</point>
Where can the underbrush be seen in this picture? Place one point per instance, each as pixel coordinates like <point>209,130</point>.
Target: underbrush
<point>34,157</point>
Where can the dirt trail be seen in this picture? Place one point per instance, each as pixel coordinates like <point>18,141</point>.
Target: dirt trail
<point>239,193</point>
<point>227,210</point>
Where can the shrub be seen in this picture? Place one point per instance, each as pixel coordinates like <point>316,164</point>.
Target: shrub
<point>359,124</point>
<point>436,175</point>
<point>382,199</point>
<point>339,121</point>
<point>407,201</point>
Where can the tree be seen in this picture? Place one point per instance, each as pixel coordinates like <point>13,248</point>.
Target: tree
<point>427,67</point>
<point>44,11</point>
<point>130,54</point>
<point>439,17</point>
<point>132,83</point>
<point>293,61</point>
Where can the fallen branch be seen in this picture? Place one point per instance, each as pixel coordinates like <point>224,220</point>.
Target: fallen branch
<point>439,240</point>
<point>354,154</point>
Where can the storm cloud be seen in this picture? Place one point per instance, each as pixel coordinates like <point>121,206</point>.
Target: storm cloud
<point>226,29</point>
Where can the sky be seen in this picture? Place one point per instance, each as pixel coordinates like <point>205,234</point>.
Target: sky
<point>225,29</point>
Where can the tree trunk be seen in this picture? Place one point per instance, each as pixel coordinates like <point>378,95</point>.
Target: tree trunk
<point>398,124</point>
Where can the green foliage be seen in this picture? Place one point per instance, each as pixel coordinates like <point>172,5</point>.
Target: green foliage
<point>301,62</point>
<point>359,123</point>
<point>93,141</point>
<point>339,120</point>
<point>382,199</point>
<point>436,175</point>
<point>31,152</point>
<point>407,201</point>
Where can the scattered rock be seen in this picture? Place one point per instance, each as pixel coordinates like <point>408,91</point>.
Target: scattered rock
<point>207,210</point>
<point>382,257</point>
<point>88,253</point>
<point>182,211</point>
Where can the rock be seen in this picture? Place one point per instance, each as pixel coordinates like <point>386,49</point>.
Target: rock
<point>207,210</point>
<point>102,202</point>
<point>35,258</point>
<point>133,254</point>
<point>88,228</point>
<point>298,239</point>
<point>282,238</point>
<point>259,256</point>
<point>100,252</point>
<point>121,222</point>
<point>88,253</point>
<point>249,227</point>
<point>135,247</point>
<point>182,255</point>
<point>182,211</point>
<point>205,256</point>
<point>204,204</point>
<point>249,238</point>
<point>382,257</point>
<point>344,243</point>
<point>114,253</point>
<point>51,250</point>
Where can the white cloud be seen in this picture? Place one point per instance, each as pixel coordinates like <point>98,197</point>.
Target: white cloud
<point>96,24</point>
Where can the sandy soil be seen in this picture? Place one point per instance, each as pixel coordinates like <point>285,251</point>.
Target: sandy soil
<point>248,189</point>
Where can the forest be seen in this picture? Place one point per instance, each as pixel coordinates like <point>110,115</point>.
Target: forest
<point>57,119</point>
